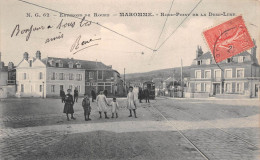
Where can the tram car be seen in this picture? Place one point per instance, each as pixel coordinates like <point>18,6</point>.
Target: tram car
<point>151,87</point>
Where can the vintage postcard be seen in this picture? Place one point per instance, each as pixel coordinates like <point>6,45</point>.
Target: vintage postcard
<point>129,79</point>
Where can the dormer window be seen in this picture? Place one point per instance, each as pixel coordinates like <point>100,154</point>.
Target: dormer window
<point>78,65</point>
<point>52,63</point>
<point>229,60</point>
<point>199,62</point>
<point>70,64</point>
<point>241,59</point>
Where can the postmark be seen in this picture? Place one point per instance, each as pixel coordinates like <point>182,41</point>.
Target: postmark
<point>228,39</point>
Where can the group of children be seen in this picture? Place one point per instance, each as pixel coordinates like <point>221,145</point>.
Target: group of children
<point>87,108</point>
<point>102,105</point>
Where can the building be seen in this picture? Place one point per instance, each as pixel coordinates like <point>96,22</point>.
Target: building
<point>7,80</point>
<point>238,75</point>
<point>38,77</point>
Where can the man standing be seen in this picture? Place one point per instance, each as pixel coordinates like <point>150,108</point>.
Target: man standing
<point>93,94</point>
<point>140,94</point>
<point>146,95</point>
<point>76,94</point>
<point>131,104</point>
<point>68,107</point>
<point>62,95</point>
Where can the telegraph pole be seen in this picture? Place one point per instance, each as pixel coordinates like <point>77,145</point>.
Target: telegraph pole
<point>181,80</point>
<point>124,81</point>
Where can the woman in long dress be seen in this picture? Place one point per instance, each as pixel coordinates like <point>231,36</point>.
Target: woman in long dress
<point>131,103</point>
<point>102,104</point>
<point>68,107</point>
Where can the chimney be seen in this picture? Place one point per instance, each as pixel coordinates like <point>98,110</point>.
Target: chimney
<point>10,65</point>
<point>253,52</point>
<point>26,56</point>
<point>38,55</point>
<point>199,52</point>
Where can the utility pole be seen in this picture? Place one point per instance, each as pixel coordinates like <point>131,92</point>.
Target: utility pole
<point>181,80</point>
<point>124,81</point>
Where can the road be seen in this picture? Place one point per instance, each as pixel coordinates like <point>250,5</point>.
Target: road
<point>165,129</point>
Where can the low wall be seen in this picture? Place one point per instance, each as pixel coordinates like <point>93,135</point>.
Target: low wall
<point>7,91</point>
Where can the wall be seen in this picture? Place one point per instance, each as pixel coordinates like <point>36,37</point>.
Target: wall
<point>3,78</point>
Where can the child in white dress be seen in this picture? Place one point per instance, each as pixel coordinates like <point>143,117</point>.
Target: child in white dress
<point>115,108</point>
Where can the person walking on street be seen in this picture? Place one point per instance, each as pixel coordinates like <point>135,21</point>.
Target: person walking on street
<point>76,94</point>
<point>146,95</point>
<point>68,107</point>
<point>93,95</point>
<point>87,108</point>
<point>140,95</point>
<point>131,104</point>
<point>102,104</point>
<point>62,95</point>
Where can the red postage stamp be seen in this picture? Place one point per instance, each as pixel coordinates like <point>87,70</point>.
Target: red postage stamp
<point>228,39</point>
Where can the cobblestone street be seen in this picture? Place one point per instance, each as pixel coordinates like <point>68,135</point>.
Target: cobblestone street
<point>37,129</point>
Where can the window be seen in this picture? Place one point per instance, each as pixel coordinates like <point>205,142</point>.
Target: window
<point>217,73</point>
<point>53,76</point>
<point>228,73</point>
<point>24,75</point>
<point>22,88</point>
<point>100,74</point>
<point>57,64</point>
<point>40,89</point>
<point>70,64</point>
<point>199,62</point>
<point>91,75</point>
<point>239,87</point>
<point>61,76</point>
<point>240,72</point>
<point>40,75</point>
<point>197,74</point>
<point>228,88</point>
<point>241,59</point>
<point>229,60</point>
<point>93,84</point>
<point>197,87</point>
<point>61,87</point>
<point>78,65</point>
<point>70,87</point>
<point>30,63</point>
<point>78,77</point>
<point>87,84</point>
<point>207,74</point>
<point>52,88</point>
<point>71,76</point>
<point>207,87</point>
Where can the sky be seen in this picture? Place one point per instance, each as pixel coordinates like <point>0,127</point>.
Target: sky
<point>114,49</point>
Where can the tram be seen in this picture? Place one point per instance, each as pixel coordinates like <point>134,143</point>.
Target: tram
<point>151,87</point>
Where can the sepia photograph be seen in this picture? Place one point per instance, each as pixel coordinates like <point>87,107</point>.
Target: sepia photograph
<point>129,79</point>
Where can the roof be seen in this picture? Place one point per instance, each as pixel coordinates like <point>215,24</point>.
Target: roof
<point>4,69</point>
<point>170,79</point>
<point>208,55</point>
<point>84,63</point>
